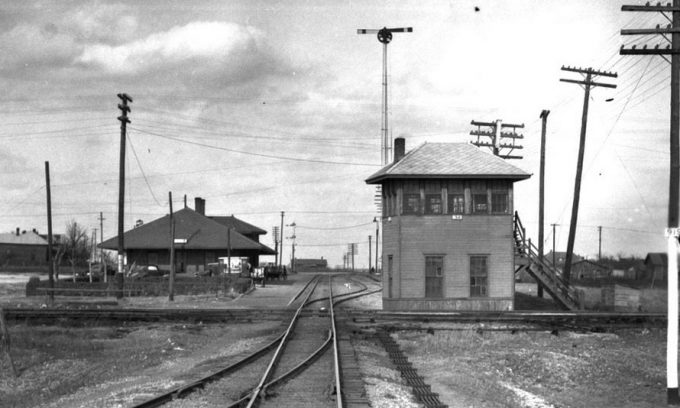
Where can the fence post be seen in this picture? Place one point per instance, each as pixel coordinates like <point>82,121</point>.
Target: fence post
<point>5,342</point>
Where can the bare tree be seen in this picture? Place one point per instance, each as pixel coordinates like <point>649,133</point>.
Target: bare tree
<point>75,245</point>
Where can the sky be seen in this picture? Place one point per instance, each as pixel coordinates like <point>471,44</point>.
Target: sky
<point>267,106</point>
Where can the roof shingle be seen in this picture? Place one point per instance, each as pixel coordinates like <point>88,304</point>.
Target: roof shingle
<point>449,160</point>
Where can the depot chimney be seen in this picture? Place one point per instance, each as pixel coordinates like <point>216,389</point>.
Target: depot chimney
<point>199,205</point>
<point>399,148</point>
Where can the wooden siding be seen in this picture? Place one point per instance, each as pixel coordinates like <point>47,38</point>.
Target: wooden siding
<point>491,304</point>
<point>410,238</point>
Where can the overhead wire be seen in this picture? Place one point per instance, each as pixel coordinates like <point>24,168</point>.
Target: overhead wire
<point>141,169</point>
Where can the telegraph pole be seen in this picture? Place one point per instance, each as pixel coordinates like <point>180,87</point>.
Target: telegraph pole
<point>588,83</point>
<point>275,235</point>
<point>672,49</point>
<point>281,240</point>
<point>494,132</point>
<point>123,118</point>
<point>599,244</point>
<point>377,231</point>
<point>171,281</point>
<point>50,266</point>
<point>541,192</point>
<point>369,253</point>
<point>101,240</point>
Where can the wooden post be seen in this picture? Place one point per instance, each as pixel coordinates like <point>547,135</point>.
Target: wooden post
<point>369,253</point>
<point>121,191</point>
<point>587,83</point>
<point>6,343</point>
<point>541,194</point>
<point>171,281</point>
<point>50,266</point>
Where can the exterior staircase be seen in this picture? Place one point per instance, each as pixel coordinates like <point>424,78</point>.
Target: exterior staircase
<point>542,270</point>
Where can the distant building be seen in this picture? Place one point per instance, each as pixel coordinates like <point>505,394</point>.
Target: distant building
<point>447,223</point>
<point>22,249</point>
<point>586,269</point>
<point>656,267</point>
<point>561,257</point>
<point>311,265</point>
<point>199,240</point>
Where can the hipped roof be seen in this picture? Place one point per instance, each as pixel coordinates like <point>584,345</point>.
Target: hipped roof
<point>449,160</point>
<point>28,238</point>
<point>199,231</point>
<point>239,225</point>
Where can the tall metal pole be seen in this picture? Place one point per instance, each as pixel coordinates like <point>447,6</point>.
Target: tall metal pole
<point>121,190</point>
<point>541,193</point>
<point>385,136</point>
<point>50,264</point>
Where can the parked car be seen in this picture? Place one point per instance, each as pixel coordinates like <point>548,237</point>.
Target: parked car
<point>146,271</point>
<point>98,271</point>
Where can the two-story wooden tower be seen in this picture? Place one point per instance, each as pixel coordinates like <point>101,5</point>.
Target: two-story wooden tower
<point>447,228</point>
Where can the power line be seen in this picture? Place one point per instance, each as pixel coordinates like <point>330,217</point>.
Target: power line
<point>336,228</point>
<point>134,153</point>
<point>269,156</point>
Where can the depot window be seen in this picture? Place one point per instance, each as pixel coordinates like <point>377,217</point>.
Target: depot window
<point>434,276</point>
<point>479,276</point>
<point>433,204</point>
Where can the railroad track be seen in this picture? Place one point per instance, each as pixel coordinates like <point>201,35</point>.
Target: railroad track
<point>304,366</point>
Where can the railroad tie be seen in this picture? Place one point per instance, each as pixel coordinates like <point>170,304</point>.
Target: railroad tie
<point>419,388</point>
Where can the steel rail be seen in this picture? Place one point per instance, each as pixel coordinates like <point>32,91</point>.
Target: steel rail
<point>183,391</point>
<point>303,289</point>
<point>336,358</point>
<point>279,349</point>
<point>290,372</point>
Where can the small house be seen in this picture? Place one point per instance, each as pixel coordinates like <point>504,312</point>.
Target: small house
<point>586,269</point>
<point>22,249</point>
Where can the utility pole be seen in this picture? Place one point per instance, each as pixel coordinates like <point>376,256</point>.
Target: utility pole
<point>281,240</point>
<point>123,118</point>
<point>171,281</point>
<point>377,231</point>
<point>102,260</point>
<point>275,235</point>
<point>672,233</point>
<point>369,253</point>
<point>292,237</point>
<point>541,193</point>
<point>494,132</point>
<point>93,255</point>
<point>599,245</point>
<point>50,265</point>
<point>588,83</point>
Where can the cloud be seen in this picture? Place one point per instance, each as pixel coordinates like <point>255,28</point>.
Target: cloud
<point>104,23</point>
<point>30,45</point>
<point>203,43</point>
